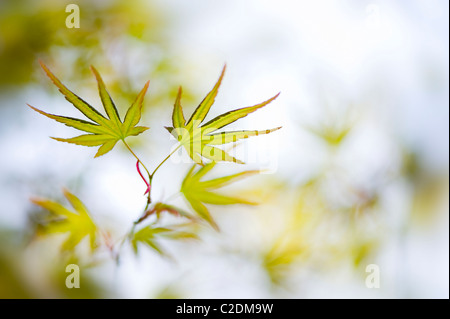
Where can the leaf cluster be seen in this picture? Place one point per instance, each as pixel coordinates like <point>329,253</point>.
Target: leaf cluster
<point>199,139</point>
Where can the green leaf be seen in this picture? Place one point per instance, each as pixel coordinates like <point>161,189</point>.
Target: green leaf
<point>107,101</point>
<point>77,223</point>
<point>161,207</point>
<point>217,155</point>
<point>232,116</point>
<point>197,138</point>
<point>178,119</point>
<point>198,192</point>
<point>105,148</point>
<point>147,235</point>
<point>103,132</point>
<point>279,259</point>
<point>150,235</point>
<point>233,136</point>
<point>86,140</point>
<point>133,115</point>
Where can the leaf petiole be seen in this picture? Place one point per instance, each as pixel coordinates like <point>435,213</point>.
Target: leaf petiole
<point>137,166</point>
<point>143,178</point>
<point>160,164</point>
<point>150,176</point>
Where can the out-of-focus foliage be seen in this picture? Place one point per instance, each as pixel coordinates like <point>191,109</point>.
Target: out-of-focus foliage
<point>428,188</point>
<point>314,234</point>
<point>112,36</point>
<point>149,235</point>
<point>30,29</point>
<point>77,223</point>
<point>198,140</point>
<point>321,232</point>
<point>324,215</point>
<point>333,130</point>
<point>104,131</point>
<point>12,284</point>
<point>160,208</point>
<point>30,275</point>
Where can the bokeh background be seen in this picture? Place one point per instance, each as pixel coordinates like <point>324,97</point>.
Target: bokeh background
<point>358,175</point>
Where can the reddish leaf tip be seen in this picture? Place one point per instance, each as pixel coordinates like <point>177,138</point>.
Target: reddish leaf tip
<point>35,200</point>
<point>41,63</point>
<point>44,67</point>
<point>65,191</point>
<point>94,70</point>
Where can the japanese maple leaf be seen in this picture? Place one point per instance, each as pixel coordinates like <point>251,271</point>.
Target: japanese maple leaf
<point>198,192</point>
<point>102,131</point>
<point>150,235</point>
<point>77,223</point>
<point>199,139</point>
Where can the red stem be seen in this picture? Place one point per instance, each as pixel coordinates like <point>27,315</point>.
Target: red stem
<point>143,178</point>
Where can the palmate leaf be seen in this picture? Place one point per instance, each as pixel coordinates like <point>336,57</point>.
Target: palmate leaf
<point>199,140</point>
<point>151,234</point>
<point>77,223</point>
<point>161,207</point>
<point>102,131</point>
<point>198,193</point>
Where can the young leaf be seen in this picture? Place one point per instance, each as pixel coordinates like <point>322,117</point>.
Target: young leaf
<point>197,140</point>
<point>102,131</point>
<point>280,258</point>
<point>77,223</point>
<point>149,235</point>
<point>198,192</point>
<point>161,207</point>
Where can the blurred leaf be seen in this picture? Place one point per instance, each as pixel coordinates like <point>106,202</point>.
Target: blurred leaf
<point>199,192</point>
<point>91,286</point>
<point>12,284</point>
<point>278,260</point>
<point>198,140</point>
<point>105,131</point>
<point>362,249</point>
<point>149,235</point>
<point>168,292</point>
<point>333,135</point>
<point>31,29</point>
<point>429,193</point>
<point>334,127</point>
<point>161,207</point>
<point>78,224</point>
